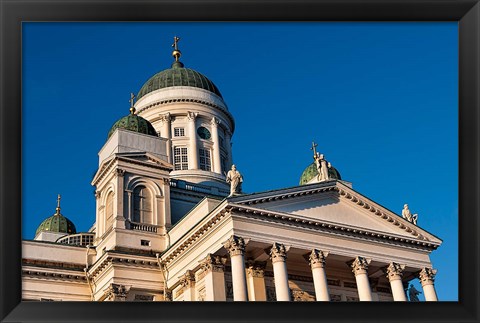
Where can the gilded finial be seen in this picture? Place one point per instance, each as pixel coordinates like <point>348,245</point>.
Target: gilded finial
<point>132,108</point>
<point>176,52</point>
<point>58,205</point>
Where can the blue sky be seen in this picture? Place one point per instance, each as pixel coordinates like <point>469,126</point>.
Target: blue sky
<point>380,99</point>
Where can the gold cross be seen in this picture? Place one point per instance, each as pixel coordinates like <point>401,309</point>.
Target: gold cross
<point>132,97</point>
<point>175,42</point>
<point>314,145</point>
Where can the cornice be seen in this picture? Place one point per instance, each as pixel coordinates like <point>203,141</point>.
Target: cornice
<point>120,259</point>
<point>336,228</point>
<point>187,100</point>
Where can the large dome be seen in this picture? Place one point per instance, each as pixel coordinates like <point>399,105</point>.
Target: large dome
<point>177,75</point>
<point>311,171</point>
<point>135,123</point>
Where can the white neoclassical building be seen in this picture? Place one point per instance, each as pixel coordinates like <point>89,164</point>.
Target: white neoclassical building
<point>168,226</point>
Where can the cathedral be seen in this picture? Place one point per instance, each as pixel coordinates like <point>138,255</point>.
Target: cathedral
<point>173,224</point>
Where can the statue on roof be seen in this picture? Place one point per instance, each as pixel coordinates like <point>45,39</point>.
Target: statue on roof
<point>407,215</point>
<point>413,294</point>
<point>235,179</point>
<point>321,163</point>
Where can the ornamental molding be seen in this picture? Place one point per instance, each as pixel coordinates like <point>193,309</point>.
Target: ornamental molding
<point>194,236</point>
<point>344,192</point>
<point>111,260</point>
<point>202,102</point>
<point>394,271</point>
<point>427,276</point>
<point>360,265</point>
<point>317,258</point>
<point>278,252</point>
<point>330,227</point>
<point>213,263</point>
<point>31,273</point>
<point>235,246</point>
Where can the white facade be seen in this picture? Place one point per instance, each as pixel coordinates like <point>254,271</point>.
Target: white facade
<point>165,230</point>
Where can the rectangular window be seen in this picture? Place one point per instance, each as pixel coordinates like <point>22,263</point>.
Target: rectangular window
<point>144,242</point>
<point>223,161</point>
<point>205,162</point>
<point>180,158</point>
<point>179,132</point>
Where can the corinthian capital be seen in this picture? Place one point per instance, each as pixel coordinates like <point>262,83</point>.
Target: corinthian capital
<point>215,122</point>
<point>427,276</point>
<point>213,263</point>
<point>360,265</point>
<point>317,258</point>
<point>394,271</point>
<point>235,246</point>
<point>278,252</point>
<point>192,115</point>
<point>188,280</point>
<point>256,268</point>
<point>165,117</point>
<point>116,292</point>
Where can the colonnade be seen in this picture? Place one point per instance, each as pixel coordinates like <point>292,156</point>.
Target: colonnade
<point>251,274</point>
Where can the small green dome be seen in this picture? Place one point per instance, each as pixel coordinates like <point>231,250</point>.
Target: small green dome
<point>135,123</point>
<point>57,223</point>
<point>177,76</point>
<point>311,171</point>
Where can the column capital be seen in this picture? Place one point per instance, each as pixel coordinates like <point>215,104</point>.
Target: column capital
<point>256,268</point>
<point>235,245</point>
<point>394,271</point>
<point>192,115</point>
<point>213,263</point>
<point>427,276</point>
<point>117,292</point>
<point>188,279</point>
<point>215,122</point>
<point>317,258</point>
<point>168,295</point>
<point>360,265</point>
<point>165,117</point>
<point>278,252</point>
<point>119,172</point>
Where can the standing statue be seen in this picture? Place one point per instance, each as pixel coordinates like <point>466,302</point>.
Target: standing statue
<point>413,294</point>
<point>235,179</point>
<point>322,167</point>
<point>407,215</point>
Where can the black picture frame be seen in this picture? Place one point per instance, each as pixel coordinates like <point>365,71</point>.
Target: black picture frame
<point>13,13</point>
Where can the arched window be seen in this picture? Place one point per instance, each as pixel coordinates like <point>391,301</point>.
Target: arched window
<point>109,211</point>
<point>142,205</point>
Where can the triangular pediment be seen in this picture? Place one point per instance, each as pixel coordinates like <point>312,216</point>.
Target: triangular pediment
<point>339,205</point>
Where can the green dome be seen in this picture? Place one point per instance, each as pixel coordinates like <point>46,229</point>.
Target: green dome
<point>57,223</point>
<point>177,76</point>
<point>311,171</point>
<point>135,123</point>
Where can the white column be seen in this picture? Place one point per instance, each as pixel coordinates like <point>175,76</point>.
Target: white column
<point>228,146</point>
<point>278,254</point>
<point>256,281</point>
<point>192,135</point>
<point>360,269</point>
<point>187,282</point>
<point>217,165</point>
<point>317,263</point>
<point>167,134</point>
<point>213,267</point>
<point>394,273</point>
<point>427,277</point>
<point>236,248</point>
<point>119,220</point>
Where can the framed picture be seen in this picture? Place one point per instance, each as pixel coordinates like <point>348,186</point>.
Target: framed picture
<point>373,86</point>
